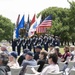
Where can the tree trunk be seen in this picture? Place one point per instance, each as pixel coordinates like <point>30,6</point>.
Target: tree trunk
<point>68,43</point>
<point>65,42</point>
<point>61,43</point>
<point>72,42</point>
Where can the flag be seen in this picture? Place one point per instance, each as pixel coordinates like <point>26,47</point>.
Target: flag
<point>17,22</point>
<point>33,19</point>
<point>20,25</point>
<point>44,25</point>
<point>34,26</point>
<point>41,29</point>
<point>47,22</point>
<point>14,33</point>
<point>28,24</point>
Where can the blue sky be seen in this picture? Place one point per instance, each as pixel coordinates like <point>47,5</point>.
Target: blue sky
<point>11,8</point>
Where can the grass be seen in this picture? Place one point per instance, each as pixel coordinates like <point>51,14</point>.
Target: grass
<point>61,51</point>
<point>9,48</point>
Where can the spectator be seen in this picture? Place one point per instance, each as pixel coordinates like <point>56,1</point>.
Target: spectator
<point>42,60</point>
<point>4,69</point>
<point>37,50</point>
<point>53,66</point>
<point>72,49</point>
<point>28,61</point>
<point>13,60</point>
<point>66,54</point>
<point>22,57</point>
<point>56,49</point>
<point>51,49</point>
<point>4,49</point>
<point>65,57</point>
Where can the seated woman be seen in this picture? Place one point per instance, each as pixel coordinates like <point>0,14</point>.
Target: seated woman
<point>13,60</point>
<point>53,66</point>
<point>66,54</point>
<point>56,49</point>
<point>66,57</point>
<point>42,60</point>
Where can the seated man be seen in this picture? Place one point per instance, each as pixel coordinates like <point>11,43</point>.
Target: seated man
<point>4,49</point>
<point>28,61</point>
<point>4,68</point>
<point>22,57</point>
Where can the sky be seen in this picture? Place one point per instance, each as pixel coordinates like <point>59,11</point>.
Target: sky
<point>11,8</point>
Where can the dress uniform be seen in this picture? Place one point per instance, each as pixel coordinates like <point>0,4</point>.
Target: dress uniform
<point>14,44</point>
<point>19,42</point>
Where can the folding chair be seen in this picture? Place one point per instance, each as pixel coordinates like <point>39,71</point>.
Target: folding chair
<point>45,65</point>
<point>29,71</point>
<point>15,71</point>
<point>61,65</point>
<point>72,72</point>
<point>59,73</point>
<point>71,64</point>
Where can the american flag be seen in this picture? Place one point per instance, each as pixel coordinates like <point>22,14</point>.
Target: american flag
<point>44,25</point>
<point>41,30</point>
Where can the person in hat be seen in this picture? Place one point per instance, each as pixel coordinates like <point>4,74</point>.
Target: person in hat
<point>29,60</point>
<point>22,57</point>
<point>13,59</point>
<point>37,50</point>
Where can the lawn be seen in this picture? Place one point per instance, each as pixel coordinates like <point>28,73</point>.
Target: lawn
<point>10,49</point>
<point>61,50</point>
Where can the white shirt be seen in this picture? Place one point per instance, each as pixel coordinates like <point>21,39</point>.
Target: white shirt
<point>73,52</point>
<point>51,68</point>
<point>13,65</point>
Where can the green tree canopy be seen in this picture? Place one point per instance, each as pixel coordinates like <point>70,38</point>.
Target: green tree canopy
<point>72,19</point>
<point>60,24</point>
<point>6,28</point>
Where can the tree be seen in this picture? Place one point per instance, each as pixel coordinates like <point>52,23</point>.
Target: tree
<point>60,24</point>
<point>6,28</point>
<point>72,20</point>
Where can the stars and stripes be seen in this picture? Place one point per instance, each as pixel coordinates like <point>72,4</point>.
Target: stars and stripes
<point>44,25</point>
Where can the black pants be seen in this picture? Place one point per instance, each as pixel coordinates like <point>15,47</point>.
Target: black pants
<point>18,50</point>
<point>13,48</point>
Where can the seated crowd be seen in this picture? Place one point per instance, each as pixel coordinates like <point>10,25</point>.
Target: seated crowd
<point>52,57</point>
